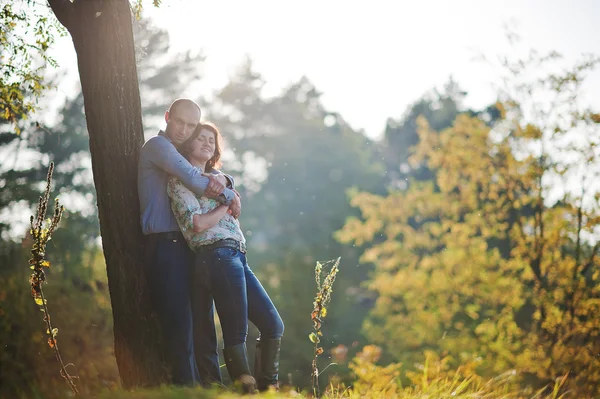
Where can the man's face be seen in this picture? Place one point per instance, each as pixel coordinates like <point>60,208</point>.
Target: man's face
<point>181,123</point>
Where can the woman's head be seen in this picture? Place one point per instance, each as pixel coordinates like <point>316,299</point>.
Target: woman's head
<point>204,146</point>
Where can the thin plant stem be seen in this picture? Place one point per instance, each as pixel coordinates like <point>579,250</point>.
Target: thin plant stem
<point>41,233</point>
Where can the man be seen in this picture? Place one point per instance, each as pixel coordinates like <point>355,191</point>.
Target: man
<point>168,258</point>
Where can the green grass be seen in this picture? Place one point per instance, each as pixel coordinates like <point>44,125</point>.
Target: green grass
<point>468,388</point>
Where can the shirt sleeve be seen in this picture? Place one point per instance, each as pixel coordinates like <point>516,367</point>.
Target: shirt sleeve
<point>184,203</point>
<point>165,156</point>
<point>230,180</point>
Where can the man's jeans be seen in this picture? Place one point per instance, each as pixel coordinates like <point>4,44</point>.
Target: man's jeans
<point>238,296</point>
<point>205,334</point>
<point>168,260</point>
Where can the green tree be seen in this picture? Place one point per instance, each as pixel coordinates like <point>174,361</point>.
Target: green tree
<point>295,161</point>
<point>499,272</point>
<point>439,108</point>
<point>26,33</point>
<point>103,39</point>
<point>68,145</point>
<point>163,75</point>
<point>80,307</point>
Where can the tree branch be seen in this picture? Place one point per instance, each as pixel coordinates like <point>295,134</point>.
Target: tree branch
<point>591,260</point>
<point>62,9</point>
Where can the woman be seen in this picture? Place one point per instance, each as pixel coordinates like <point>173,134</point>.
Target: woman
<point>220,247</point>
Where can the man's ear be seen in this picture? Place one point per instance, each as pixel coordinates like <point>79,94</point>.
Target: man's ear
<point>167,116</point>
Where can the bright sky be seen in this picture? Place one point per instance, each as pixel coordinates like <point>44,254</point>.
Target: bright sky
<point>371,59</point>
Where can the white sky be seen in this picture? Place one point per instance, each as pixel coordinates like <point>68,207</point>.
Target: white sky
<point>371,59</point>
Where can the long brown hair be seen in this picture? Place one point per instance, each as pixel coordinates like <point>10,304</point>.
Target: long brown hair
<point>215,161</point>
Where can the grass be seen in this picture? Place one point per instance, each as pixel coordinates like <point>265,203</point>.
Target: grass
<point>441,388</point>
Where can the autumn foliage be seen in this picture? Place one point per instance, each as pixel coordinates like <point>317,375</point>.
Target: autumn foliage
<point>493,262</point>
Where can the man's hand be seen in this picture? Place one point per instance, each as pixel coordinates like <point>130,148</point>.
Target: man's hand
<point>235,208</point>
<point>216,185</point>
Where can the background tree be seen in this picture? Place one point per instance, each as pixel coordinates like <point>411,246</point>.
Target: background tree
<point>449,286</point>
<point>74,248</point>
<point>26,33</point>
<point>295,161</point>
<point>103,39</point>
<point>440,109</point>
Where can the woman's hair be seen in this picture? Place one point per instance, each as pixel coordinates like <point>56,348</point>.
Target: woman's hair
<point>215,161</point>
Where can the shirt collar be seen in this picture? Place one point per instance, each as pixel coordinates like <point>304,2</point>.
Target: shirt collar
<point>164,134</point>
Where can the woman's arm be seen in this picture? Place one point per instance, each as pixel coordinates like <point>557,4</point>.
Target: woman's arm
<point>184,203</point>
<point>207,220</point>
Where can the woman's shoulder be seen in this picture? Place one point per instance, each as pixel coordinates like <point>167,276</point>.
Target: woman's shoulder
<point>175,187</point>
<point>173,182</point>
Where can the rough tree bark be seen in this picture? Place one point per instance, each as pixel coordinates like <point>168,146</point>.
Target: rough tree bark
<point>103,38</point>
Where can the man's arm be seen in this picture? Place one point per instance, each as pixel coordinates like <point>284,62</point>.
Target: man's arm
<point>165,156</point>
<point>229,181</point>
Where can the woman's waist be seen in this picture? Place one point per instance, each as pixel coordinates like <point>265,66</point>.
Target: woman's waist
<point>222,243</point>
<point>214,235</point>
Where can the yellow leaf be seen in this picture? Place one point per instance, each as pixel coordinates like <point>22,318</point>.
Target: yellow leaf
<point>313,338</point>
<point>54,332</point>
<point>324,312</point>
<point>39,301</point>
<point>46,263</point>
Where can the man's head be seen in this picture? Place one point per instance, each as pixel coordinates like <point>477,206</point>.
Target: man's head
<point>182,118</point>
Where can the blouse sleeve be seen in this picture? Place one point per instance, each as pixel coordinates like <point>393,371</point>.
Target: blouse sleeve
<point>184,203</point>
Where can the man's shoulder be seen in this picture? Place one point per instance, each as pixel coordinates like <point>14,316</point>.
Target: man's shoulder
<point>157,140</point>
<point>156,145</point>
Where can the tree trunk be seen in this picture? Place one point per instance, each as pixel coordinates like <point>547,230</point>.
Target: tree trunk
<point>103,39</point>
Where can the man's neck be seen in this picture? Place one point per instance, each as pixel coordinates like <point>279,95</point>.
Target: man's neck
<point>165,135</point>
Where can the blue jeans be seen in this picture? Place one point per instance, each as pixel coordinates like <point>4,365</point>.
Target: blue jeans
<point>205,334</point>
<point>238,296</point>
<point>168,264</point>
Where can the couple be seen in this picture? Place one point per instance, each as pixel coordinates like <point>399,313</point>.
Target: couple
<point>196,252</point>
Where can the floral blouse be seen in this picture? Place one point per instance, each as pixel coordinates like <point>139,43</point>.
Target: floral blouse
<point>185,204</point>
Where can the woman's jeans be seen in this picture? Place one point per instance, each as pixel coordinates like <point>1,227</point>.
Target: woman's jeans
<point>238,296</point>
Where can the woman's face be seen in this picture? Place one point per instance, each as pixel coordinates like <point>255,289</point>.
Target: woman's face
<point>203,148</point>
